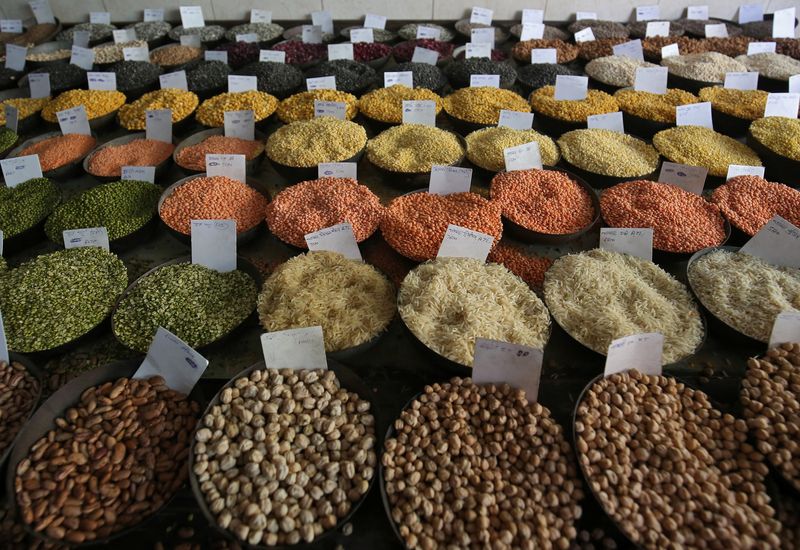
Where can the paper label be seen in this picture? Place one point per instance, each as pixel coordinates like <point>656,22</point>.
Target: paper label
<point>735,170</point>
<point>419,112</point>
<point>651,79</point>
<point>647,13</point>
<point>688,178</point>
<point>337,170</point>
<point>340,51</point>
<point>191,40</point>
<point>481,15</point>
<point>12,117</point>
<point>337,238</point>
<point>670,50</point>
<point>571,87</point>
<point>741,81</point>
<point>249,37</point>
<point>544,55</point>
<point>3,342</point>
<point>632,49</point>
<point>82,57</point>
<point>783,23</point>
<point>522,157</point>
<point>694,114</point>
<point>697,12</point>
<point>657,28</point>
<point>210,55</point>
<point>240,124</point>
<point>74,121</point>
<point>139,173</point>
<point>484,81</point>
<point>174,360</point>
<point>241,83</point>
<point>139,53</point>
<point>11,25</point>
<point>362,35</point>
<point>297,348</point>
<point>428,32</point>
<point>373,21</point>
<point>335,109</point>
<point>482,36</point>
<point>636,242</point>
<point>154,14</point>
<point>40,84</point>
<point>231,166</point>
<point>404,78</point>
<point>192,16</point>
<point>515,120</point>
<point>88,236</point>
<point>794,84</point>
<point>124,35</point>
<point>782,105</point>
<point>158,124</point>
<point>585,15</point>
<point>460,242</point>
<point>777,243</point>
<point>214,244</point>
<point>312,34</point>
<point>81,38</point>
<point>639,351</point>
<point>1,242</point>
<point>498,362</point>
<point>532,31</point>
<point>15,57</point>
<point>760,47</point>
<point>174,80</point>
<point>19,169</point>
<point>321,83</point>
<point>446,180</point>
<point>102,81</point>
<point>424,55</point>
<point>324,20</point>
<point>717,31</point>
<point>532,16</point>
<point>100,17</point>
<point>477,50</point>
<point>786,329</point>
<point>607,121</point>
<point>272,55</point>
<point>750,12</point>
<point>260,16</point>
<point>41,11</point>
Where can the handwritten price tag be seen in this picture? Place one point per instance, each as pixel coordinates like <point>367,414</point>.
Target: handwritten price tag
<point>571,87</point>
<point>141,53</point>
<point>191,40</point>
<point>741,81</point>
<point>446,180</point>
<point>102,81</point>
<point>41,11</point>
<point>335,109</point>
<point>694,114</point>
<point>607,121</point>
<point>192,16</point>
<point>82,57</point>
<point>657,28</point>
<point>297,348</point>
<point>484,81</point>
<point>544,55</point>
<point>100,17</point>
<point>231,166</point>
<point>477,50</point>
<point>249,37</point>
<point>419,112</point>
<point>324,20</point>
<point>482,36</point>
<point>240,83</point>
<point>584,15</point>
<point>778,243</point>
<point>373,21</point>
<point>432,33</point>
<point>312,34</point>
<point>74,121</point>
<point>404,78</point>
<point>688,178</point>
<point>40,84</point>
<point>340,51</point>
<point>124,35</point>
<point>782,105</point>
<point>19,169</point>
<point>498,362</point>
<point>523,157</point>
<point>337,170</point>
<point>739,170</point>
<point>760,47</point>
<point>697,12</point>
<point>337,238</point>
<point>515,120</point>
<point>214,244</point>
<point>632,49</point>
<point>717,31</point>
<point>139,173</point>
<point>532,31</point>
<point>12,117</point>
<point>158,125</point>
<point>173,359</point>
<point>15,57</point>
<point>154,14</point>
<point>786,329</point>
<point>175,80</point>
<point>651,79</point>
<point>642,352</point>
<point>89,236</point>
<point>460,242</point>
<point>81,39</point>
<point>240,124</point>
<point>424,55</point>
<point>532,16</point>
<point>321,83</point>
<point>210,55</point>
<point>632,241</point>
<point>362,35</point>
<point>274,56</point>
<point>480,15</point>
<point>647,13</point>
<point>260,16</point>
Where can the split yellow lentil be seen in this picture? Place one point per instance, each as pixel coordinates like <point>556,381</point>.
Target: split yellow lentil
<point>485,146</point>
<point>578,110</point>
<point>300,106</point>
<point>482,105</point>
<point>212,111</point>
<point>699,146</point>
<point>654,107</point>
<point>306,143</point>
<point>96,102</point>
<point>386,104</point>
<point>182,103</point>
<point>747,104</point>
<point>413,148</point>
<point>26,106</point>
<point>608,153</point>
<point>778,134</point>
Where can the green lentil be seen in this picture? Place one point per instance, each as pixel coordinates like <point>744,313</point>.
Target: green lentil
<point>699,146</point>
<point>7,138</point>
<point>27,204</point>
<point>485,146</point>
<point>197,304</point>
<point>779,134</point>
<point>412,148</point>
<point>749,104</point>
<point>56,298</point>
<point>655,107</point>
<point>306,143</point>
<point>122,207</point>
<point>572,110</point>
<point>608,153</point>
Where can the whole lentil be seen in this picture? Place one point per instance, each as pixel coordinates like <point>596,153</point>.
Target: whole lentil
<point>112,52</point>
<point>55,55</point>
<point>681,221</point>
<point>404,51</point>
<point>608,153</point>
<point>306,143</point>
<point>651,47</point>
<point>615,70</point>
<point>97,31</point>
<point>747,104</point>
<point>415,224</point>
<point>699,146</point>
<point>601,29</point>
<point>213,198</point>
<point>122,207</point>
<point>27,204</point>
<point>197,304</point>
<point>313,205</point>
<point>638,29</point>
<point>8,137</point>
<point>577,110</point>
<point>133,75</point>
<point>495,55</point>
<point>209,33</point>
<point>264,31</point>
<point>194,156</point>
<point>749,202</point>
<point>370,51</point>
<point>550,32</point>
<point>58,297</point>
<point>316,470</point>
<point>482,105</point>
<point>565,52</point>
<point>212,111</point>
<point>536,75</point>
<point>602,47</point>
<point>386,104</point>
<point>20,390</point>
<point>528,267</point>
<point>731,47</point>
<point>169,56</point>
<point>378,35</point>
<point>697,27</point>
<point>456,416</point>
<point>240,53</point>
<point>275,78</point>
<point>654,107</point>
<point>713,467</point>
<point>136,469</point>
<point>150,30</point>
<point>108,161</point>
<point>409,31</point>
<point>460,72</point>
<point>58,151</point>
<point>485,147</point>
<point>300,106</point>
<point>300,53</point>
<point>202,76</point>
<point>778,134</point>
<point>181,102</point>
<point>96,103</point>
<point>771,65</point>
<point>63,76</point>
<point>464,27</point>
<point>705,67</point>
<point>788,46</point>
<point>424,75</point>
<point>351,76</point>
<point>414,148</point>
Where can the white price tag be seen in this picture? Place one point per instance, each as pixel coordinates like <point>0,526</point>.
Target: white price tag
<point>100,17</point>
<point>373,21</point>
<point>794,84</point>
<point>337,170</point>
<point>80,38</point>
<point>515,120</point>
<point>777,242</point>
<point>249,37</point>
<point>124,35</point>
<point>340,51</point>
<point>12,117</point>
<point>274,56</point>
<point>750,12</point>
<point>82,57</point>
<point>719,30</point>
<point>783,23</point>
<point>741,81</point>
<point>231,166</point>
<point>337,238</point>
<point>41,11</point>
<point>532,16</point>
<point>657,28</point>
<point>88,236</point>
<point>158,125</point>
<point>498,362</point>
<point>419,112</point>
<point>761,47</point>
<point>19,169</point>
<point>140,53</point>
<point>192,16</point>
<point>697,12</point>
<point>477,50</point>
<point>482,36</point>
<point>335,109</point>
<point>102,81</point>
<point>632,49</point>
<point>175,80</point>
<point>607,121</point>
<point>670,50</point>
<point>174,360</point>
<point>312,34</point>
<point>297,348</point>
<point>639,351</point>
<point>74,121</point>
<point>15,57</point>
<point>480,15</point>
<point>647,13</point>
<point>544,55</point>
<point>210,55</point>
<point>633,241</point>
<point>324,20</point>
<point>404,78</point>
<point>11,25</point>
<point>139,173</point>
<point>1,242</point>
<point>3,342</point>
<point>446,180</point>
<point>571,87</point>
<point>460,242</point>
<point>532,31</point>
<point>585,15</point>
<point>40,84</point>
<point>688,178</point>
<point>782,105</point>
<point>154,14</point>
<point>240,124</point>
<point>785,329</point>
<point>484,81</point>
<point>431,33</point>
<point>260,16</point>
<point>651,79</point>
<point>214,244</point>
<point>191,40</point>
<point>523,157</point>
<point>694,114</point>
<point>321,83</point>
<point>242,83</point>
<point>735,170</point>
<point>424,55</point>
<point>362,35</point>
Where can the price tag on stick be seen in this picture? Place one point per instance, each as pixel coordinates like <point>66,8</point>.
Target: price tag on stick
<point>778,243</point>
<point>41,11</point>
<point>154,14</point>
<point>100,17</point>
<point>140,53</point>
<point>477,50</point>
<point>260,16</point>
<point>785,105</point>
<point>335,109</point>
<point>15,57</point>
<point>362,35</point>
<point>373,21</point>
<point>82,57</point>
<point>739,170</point>
<point>647,13</point>
<point>697,12</point>
<point>88,236</point>
<point>40,85</point>
<point>337,238</point>
<point>688,178</point>
<point>175,80</point>
<point>484,81</point>
<point>321,83</point>
<point>523,157</point>
<point>786,329</point>
<point>424,55</point>
<point>432,33</point>
<point>634,241</point>
<point>324,20</point>
<point>483,36</point>
<point>404,78</point>
<point>741,81</point>
<point>214,244</point>
<point>241,83</point>
<point>74,121</point>
<point>337,170</point>
<point>446,180</point>
<point>231,166</point>
<point>240,124</point>
<point>274,56</point>
<point>642,352</point>
<point>158,125</point>
<point>102,81</point>
<point>19,169</point>
<point>124,35</point>
<point>139,173</point>
<point>498,362</point>
<point>607,121</point>
<point>419,112</point>
<point>192,16</point>
<point>632,49</point>
<point>460,242</point>
<point>515,120</point>
<point>480,15</point>
<point>694,114</point>
<point>531,31</point>
<point>340,51</point>
<point>173,359</point>
<point>297,348</point>
<point>3,342</point>
<point>657,28</point>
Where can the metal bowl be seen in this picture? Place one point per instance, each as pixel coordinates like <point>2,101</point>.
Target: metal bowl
<point>729,125</point>
<point>72,169</point>
<point>296,174</point>
<point>464,127</point>
<point>177,66</point>
<point>28,124</point>
<point>49,47</point>
<point>250,165</point>
<point>555,127</point>
<point>415,180</point>
<point>600,181</point>
<point>30,22</point>
<point>161,168</point>
<point>777,167</point>
<point>307,64</point>
<point>642,127</point>
<point>29,237</point>
<point>687,84</point>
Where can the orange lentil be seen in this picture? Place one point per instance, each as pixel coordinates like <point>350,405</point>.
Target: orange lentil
<point>58,151</point>
<point>528,267</point>
<point>214,198</point>
<point>316,204</point>
<point>749,202</point>
<point>194,156</point>
<point>109,161</point>
<point>415,224</point>
<point>681,221</point>
<point>546,201</point>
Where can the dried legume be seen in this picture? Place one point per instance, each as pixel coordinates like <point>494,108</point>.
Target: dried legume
<point>264,31</point>
<point>300,53</point>
<point>601,29</point>
<point>212,111</point>
<point>409,31</point>
<point>727,46</point>
<point>378,35</point>
<point>460,72</point>
<point>495,55</point>
<point>208,33</point>
<point>351,76</point>
<point>654,107</point>
<point>778,134</point>
<point>386,104</point>
<point>306,143</point>
<point>133,75</point>
<point>788,46</point>
<point>758,29</point>
<point>59,151</point>
<point>602,47</point>
<point>193,157</point>
<point>638,29</point>
<point>699,146</point>
<point>615,70</point>
<point>749,202</point>
<point>203,76</point>
<point>771,65</point>
<point>550,32</point>
<point>608,153</point>
<point>150,30</point>
<point>112,52</point>
<point>181,102</point>
<point>300,106</point>
<point>565,52</point>
<point>175,54</point>
<point>274,78</point>
<point>485,147</point>
<point>404,51</point>
<point>33,34</point>
<point>63,76</point>
<point>705,67</point>
<point>25,205</point>
<point>414,148</point>
<point>528,267</point>
<point>108,161</point>
<point>8,137</point>
<point>482,105</point>
<point>370,51</point>
<point>651,47</point>
<point>572,110</point>
<point>55,55</point>
<point>697,27</point>
<point>465,27</point>
<point>240,53</point>
<point>20,390</point>
<point>97,31</point>
<point>424,75</point>
<point>536,75</point>
<point>747,104</point>
<point>96,103</point>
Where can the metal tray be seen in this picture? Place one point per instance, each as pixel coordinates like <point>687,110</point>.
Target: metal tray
<point>250,165</point>
<point>71,169</point>
<point>161,168</point>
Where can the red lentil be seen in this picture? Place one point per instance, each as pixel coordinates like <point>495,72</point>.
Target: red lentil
<point>681,221</point>
<point>298,53</point>
<point>528,267</point>
<point>415,224</point>
<point>109,161</point>
<point>214,198</point>
<point>194,156</point>
<point>58,151</point>
<point>546,201</point>
<point>749,202</point>
<point>316,204</point>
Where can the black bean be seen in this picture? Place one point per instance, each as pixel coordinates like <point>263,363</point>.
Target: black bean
<point>278,79</point>
<point>63,76</point>
<point>351,76</point>
<point>207,75</point>
<point>537,75</point>
<point>459,72</point>
<point>425,76</point>
<point>135,74</point>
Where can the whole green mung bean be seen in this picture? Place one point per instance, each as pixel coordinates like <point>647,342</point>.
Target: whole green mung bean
<point>7,138</point>
<point>197,304</point>
<point>56,298</point>
<point>122,207</point>
<point>27,204</point>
